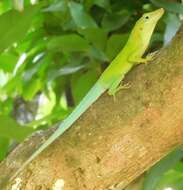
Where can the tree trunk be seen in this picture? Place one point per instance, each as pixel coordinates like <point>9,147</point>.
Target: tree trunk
<point>115,141</point>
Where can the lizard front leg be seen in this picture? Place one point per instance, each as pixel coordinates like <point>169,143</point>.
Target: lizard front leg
<point>138,60</point>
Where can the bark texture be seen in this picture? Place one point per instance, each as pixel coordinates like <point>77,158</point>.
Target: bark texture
<point>114,141</point>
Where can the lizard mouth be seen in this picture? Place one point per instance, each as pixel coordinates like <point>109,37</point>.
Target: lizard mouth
<point>157,14</point>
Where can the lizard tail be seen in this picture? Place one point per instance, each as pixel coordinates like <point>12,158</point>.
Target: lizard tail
<point>85,103</point>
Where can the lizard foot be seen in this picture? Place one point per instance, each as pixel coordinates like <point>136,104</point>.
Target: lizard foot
<point>120,87</point>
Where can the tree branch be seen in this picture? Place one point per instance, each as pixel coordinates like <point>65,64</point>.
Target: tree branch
<point>114,141</point>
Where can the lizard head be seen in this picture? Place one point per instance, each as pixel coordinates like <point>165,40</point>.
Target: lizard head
<point>149,20</point>
<point>146,24</point>
<point>152,17</point>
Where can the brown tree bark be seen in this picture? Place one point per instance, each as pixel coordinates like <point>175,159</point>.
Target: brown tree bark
<point>114,141</point>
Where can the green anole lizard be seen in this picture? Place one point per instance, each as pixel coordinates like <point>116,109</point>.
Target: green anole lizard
<point>111,78</point>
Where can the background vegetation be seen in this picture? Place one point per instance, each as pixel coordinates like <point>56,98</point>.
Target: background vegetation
<point>53,51</point>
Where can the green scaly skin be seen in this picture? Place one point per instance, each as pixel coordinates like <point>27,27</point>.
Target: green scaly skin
<point>111,78</point>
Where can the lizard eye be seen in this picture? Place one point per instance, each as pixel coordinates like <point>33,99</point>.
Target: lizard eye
<point>147,17</point>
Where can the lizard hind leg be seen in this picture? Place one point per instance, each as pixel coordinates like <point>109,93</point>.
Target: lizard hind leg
<point>116,86</point>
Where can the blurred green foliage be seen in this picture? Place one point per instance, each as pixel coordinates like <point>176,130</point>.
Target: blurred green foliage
<point>160,177</point>
<point>52,53</point>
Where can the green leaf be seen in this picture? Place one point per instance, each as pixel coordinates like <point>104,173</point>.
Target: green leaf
<point>5,6</point>
<point>96,36</point>
<point>102,3</point>
<point>6,107</point>
<point>10,129</point>
<point>80,17</point>
<point>105,4</point>
<point>98,54</point>
<point>169,6</point>
<point>68,43</point>
<point>172,180</point>
<point>81,83</point>
<point>156,172</point>
<point>114,21</point>
<point>14,25</point>
<point>179,167</point>
<point>67,70</point>
<point>8,62</point>
<point>39,67</point>
<point>4,145</point>
<point>114,44</point>
<point>31,88</point>
<point>56,7</point>
<point>3,79</point>
<point>13,86</point>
